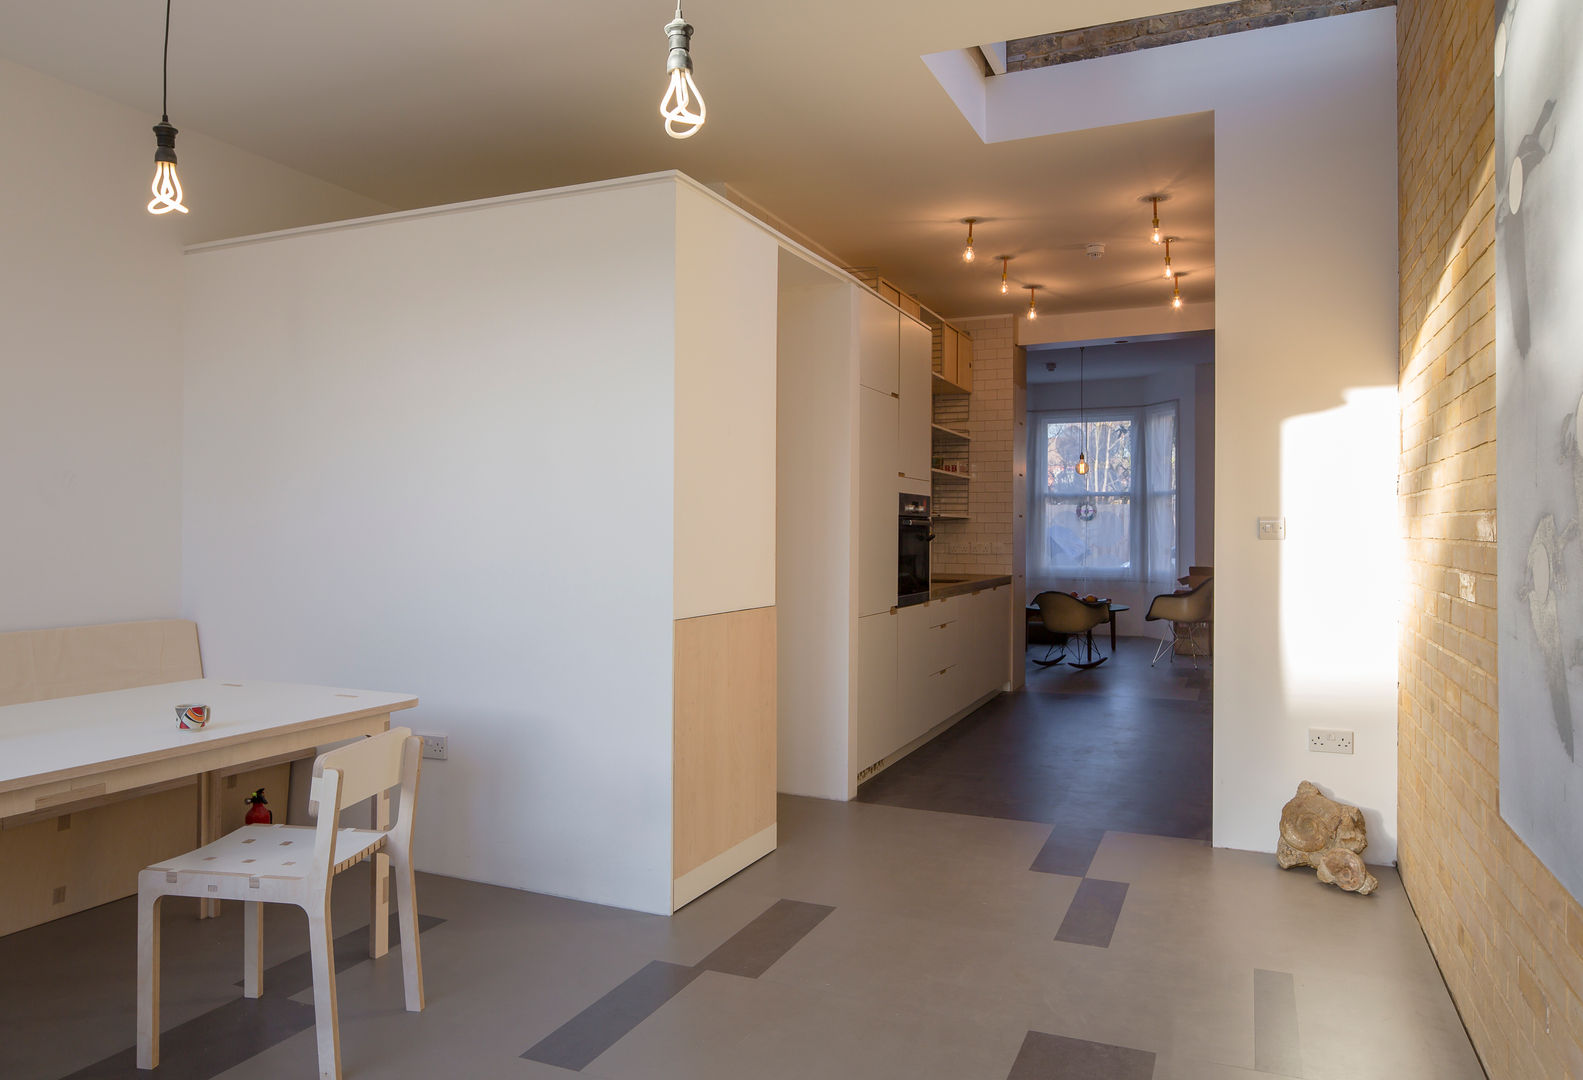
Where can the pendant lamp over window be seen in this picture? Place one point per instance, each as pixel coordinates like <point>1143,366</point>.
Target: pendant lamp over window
<point>1082,416</point>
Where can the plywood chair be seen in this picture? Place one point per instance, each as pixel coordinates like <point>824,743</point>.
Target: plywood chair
<point>283,864</point>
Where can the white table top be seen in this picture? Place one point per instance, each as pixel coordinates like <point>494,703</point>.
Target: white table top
<point>73,736</point>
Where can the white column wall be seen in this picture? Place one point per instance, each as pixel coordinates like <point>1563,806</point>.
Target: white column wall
<point>436,454</point>
<point>90,371</point>
<point>1305,377</point>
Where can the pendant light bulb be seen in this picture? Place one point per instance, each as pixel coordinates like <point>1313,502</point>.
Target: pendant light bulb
<point>1155,199</point>
<point>682,106</point>
<point>1082,463</point>
<point>1168,271</point>
<point>1033,307</point>
<point>967,252</point>
<point>166,186</point>
<point>1176,294</point>
<point>1004,287</point>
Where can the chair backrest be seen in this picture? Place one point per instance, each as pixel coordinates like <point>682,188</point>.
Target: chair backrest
<point>366,767</point>
<point>1066,614</point>
<point>1195,606</point>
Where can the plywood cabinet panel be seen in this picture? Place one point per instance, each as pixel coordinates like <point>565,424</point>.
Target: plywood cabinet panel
<point>964,362</point>
<point>878,417</point>
<point>949,347</point>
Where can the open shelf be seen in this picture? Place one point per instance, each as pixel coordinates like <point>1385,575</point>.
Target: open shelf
<point>962,476</point>
<point>943,386</point>
<point>948,517</point>
<point>941,429</point>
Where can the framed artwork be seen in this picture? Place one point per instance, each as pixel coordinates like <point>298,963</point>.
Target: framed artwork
<point>1539,424</point>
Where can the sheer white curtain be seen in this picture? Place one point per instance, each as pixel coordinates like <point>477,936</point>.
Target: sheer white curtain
<point>1117,521</point>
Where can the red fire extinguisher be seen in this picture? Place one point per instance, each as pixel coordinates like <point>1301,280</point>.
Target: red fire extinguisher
<point>258,809</point>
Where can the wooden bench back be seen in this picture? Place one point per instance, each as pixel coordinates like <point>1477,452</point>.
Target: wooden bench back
<point>36,665</point>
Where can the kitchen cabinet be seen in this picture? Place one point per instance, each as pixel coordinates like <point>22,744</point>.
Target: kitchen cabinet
<point>875,716</point>
<point>917,401</point>
<point>964,362</point>
<point>878,419</point>
<point>947,339</point>
<point>878,343</point>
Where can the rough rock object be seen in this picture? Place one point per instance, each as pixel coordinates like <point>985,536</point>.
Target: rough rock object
<point>1329,836</point>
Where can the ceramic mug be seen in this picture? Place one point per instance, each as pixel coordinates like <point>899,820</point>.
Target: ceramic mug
<point>191,717</point>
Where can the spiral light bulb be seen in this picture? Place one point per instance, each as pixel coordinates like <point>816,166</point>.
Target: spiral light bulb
<point>166,187</point>
<point>682,106</point>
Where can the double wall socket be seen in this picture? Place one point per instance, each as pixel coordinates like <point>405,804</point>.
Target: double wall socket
<point>434,747</point>
<point>1329,741</point>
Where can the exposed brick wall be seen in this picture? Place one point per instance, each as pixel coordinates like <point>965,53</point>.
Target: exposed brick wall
<point>1023,54</point>
<point>1507,936</point>
<point>983,544</point>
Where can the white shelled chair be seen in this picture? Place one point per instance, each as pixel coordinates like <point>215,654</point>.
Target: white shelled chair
<point>284,864</point>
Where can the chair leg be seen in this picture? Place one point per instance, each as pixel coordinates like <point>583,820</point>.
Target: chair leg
<point>1166,645</point>
<point>252,949</point>
<point>326,1023</point>
<point>148,907</point>
<point>407,912</point>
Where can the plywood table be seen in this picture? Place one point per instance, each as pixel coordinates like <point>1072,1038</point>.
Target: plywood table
<point>66,753</point>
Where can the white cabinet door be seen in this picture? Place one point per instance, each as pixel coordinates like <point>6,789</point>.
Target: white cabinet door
<point>917,400</point>
<point>876,502</point>
<point>986,638</point>
<point>874,717</point>
<point>878,343</point>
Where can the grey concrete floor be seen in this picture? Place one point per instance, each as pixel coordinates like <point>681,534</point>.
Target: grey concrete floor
<point>884,941</point>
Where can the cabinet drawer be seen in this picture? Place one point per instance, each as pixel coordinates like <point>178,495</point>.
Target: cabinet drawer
<point>929,639</point>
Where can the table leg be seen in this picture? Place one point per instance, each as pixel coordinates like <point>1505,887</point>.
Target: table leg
<point>379,884</point>
<point>1113,633</point>
<point>209,786</point>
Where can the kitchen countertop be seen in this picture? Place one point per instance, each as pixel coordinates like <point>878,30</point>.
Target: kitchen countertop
<point>953,585</point>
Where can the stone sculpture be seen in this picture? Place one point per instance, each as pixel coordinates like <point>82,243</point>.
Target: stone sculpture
<point>1329,836</point>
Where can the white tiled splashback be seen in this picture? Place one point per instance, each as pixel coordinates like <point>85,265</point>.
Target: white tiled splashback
<point>983,544</point>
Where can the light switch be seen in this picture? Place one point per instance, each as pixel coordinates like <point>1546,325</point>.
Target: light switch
<point>1272,528</point>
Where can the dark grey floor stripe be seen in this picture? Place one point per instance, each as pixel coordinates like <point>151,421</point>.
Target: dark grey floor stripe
<point>600,1026</point>
<point>1091,919</point>
<point>749,953</point>
<point>1059,1057</point>
<point>223,1038</point>
<point>1068,851</point>
<point>1276,1048</point>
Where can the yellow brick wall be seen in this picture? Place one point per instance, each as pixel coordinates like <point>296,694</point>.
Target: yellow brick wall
<point>1508,938</point>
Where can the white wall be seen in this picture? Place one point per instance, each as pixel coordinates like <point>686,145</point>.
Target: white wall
<point>436,454</point>
<point>1306,349</point>
<point>90,373</point>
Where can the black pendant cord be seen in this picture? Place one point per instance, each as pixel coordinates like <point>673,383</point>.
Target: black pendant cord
<point>164,75</point>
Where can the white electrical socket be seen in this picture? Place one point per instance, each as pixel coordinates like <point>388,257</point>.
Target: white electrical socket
<point>1329,741</point>
<point>434,747</point>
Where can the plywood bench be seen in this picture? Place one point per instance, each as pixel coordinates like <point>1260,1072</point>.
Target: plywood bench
<point>77,855</point>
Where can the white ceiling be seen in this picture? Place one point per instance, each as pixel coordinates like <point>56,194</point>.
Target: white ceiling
<point>821,111</point>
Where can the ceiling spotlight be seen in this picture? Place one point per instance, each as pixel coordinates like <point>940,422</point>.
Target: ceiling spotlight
<point>1004,287</point>
<point>166,187</point>
<point>1095,251</point>
<point>967,252</point>
<point>1033,307</point>
<point>682,106</point>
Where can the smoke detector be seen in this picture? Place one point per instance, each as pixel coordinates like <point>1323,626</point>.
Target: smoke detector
<point>1095,250</point>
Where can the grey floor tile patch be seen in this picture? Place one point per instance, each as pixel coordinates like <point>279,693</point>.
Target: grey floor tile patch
<point>1091,918</point>
<point>1059,1057</point>
<point>1068,851</point>
<point>751,951</point>
<point>223,1038</point>
<point>597,1028</point>
<point>1276,1048</point>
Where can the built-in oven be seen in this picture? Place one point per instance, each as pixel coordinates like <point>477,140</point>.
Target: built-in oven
<point>912,551</point>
